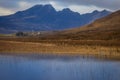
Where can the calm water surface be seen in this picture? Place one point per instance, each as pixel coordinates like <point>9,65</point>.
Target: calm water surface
<point>60,68</point>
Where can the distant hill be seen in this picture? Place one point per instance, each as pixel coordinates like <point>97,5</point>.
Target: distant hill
<point>107,28</point>
<point>46,18</point>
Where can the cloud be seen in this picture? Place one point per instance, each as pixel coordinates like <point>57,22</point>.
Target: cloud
<point>84,9</point>
<point>8,3</point>
<point>56,5</point>
<point>109,4</point>
<point>24,5</point>
<point>81,6</point>
<point>4,11</point>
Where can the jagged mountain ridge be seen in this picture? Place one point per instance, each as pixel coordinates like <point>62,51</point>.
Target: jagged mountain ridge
<point>46,18</point>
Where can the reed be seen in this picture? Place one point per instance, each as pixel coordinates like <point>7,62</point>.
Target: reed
<point>62,47</point>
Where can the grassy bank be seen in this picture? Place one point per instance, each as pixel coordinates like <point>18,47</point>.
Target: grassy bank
<point>107,49</point>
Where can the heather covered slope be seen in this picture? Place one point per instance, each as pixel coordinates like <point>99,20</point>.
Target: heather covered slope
<point>107,28</point>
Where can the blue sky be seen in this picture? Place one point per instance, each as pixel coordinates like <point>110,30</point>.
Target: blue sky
<point>82,6</point>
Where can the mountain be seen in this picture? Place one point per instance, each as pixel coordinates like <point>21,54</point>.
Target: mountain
<point>106,28</point>
<point>46,18</point>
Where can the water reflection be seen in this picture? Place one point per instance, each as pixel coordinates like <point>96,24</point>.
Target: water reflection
<point>60,68</point>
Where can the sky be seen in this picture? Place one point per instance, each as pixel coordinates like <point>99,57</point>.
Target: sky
<point>8,7</point>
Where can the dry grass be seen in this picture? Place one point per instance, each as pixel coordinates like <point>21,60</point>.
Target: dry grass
<point>59,48</point>
<point>100,38</point>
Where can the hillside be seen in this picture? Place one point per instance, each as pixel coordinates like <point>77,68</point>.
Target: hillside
<point>99,39</point>
<point>107,28</point>
<point>46,18</point>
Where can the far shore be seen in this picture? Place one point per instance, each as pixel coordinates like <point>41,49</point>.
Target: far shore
<point>18,47</point>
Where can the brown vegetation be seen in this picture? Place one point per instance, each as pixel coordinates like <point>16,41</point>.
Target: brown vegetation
<point>107,28</point>
<point>101,38</point>
<point>65,47</point>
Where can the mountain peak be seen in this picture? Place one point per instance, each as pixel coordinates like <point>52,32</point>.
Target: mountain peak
<point>104,10</point>
<point>37,10</point>
<point>40,5</point>
<point>66,10</point>
<point>47,7</point>
<point>95,11</point>
<point>69,11</point>
<point>45,17</point>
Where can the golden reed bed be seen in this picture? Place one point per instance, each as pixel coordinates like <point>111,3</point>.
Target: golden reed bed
<point>17,47</point>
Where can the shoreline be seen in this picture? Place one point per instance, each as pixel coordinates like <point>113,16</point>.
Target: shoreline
<point>55,55</point>
<point>16,47</point>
